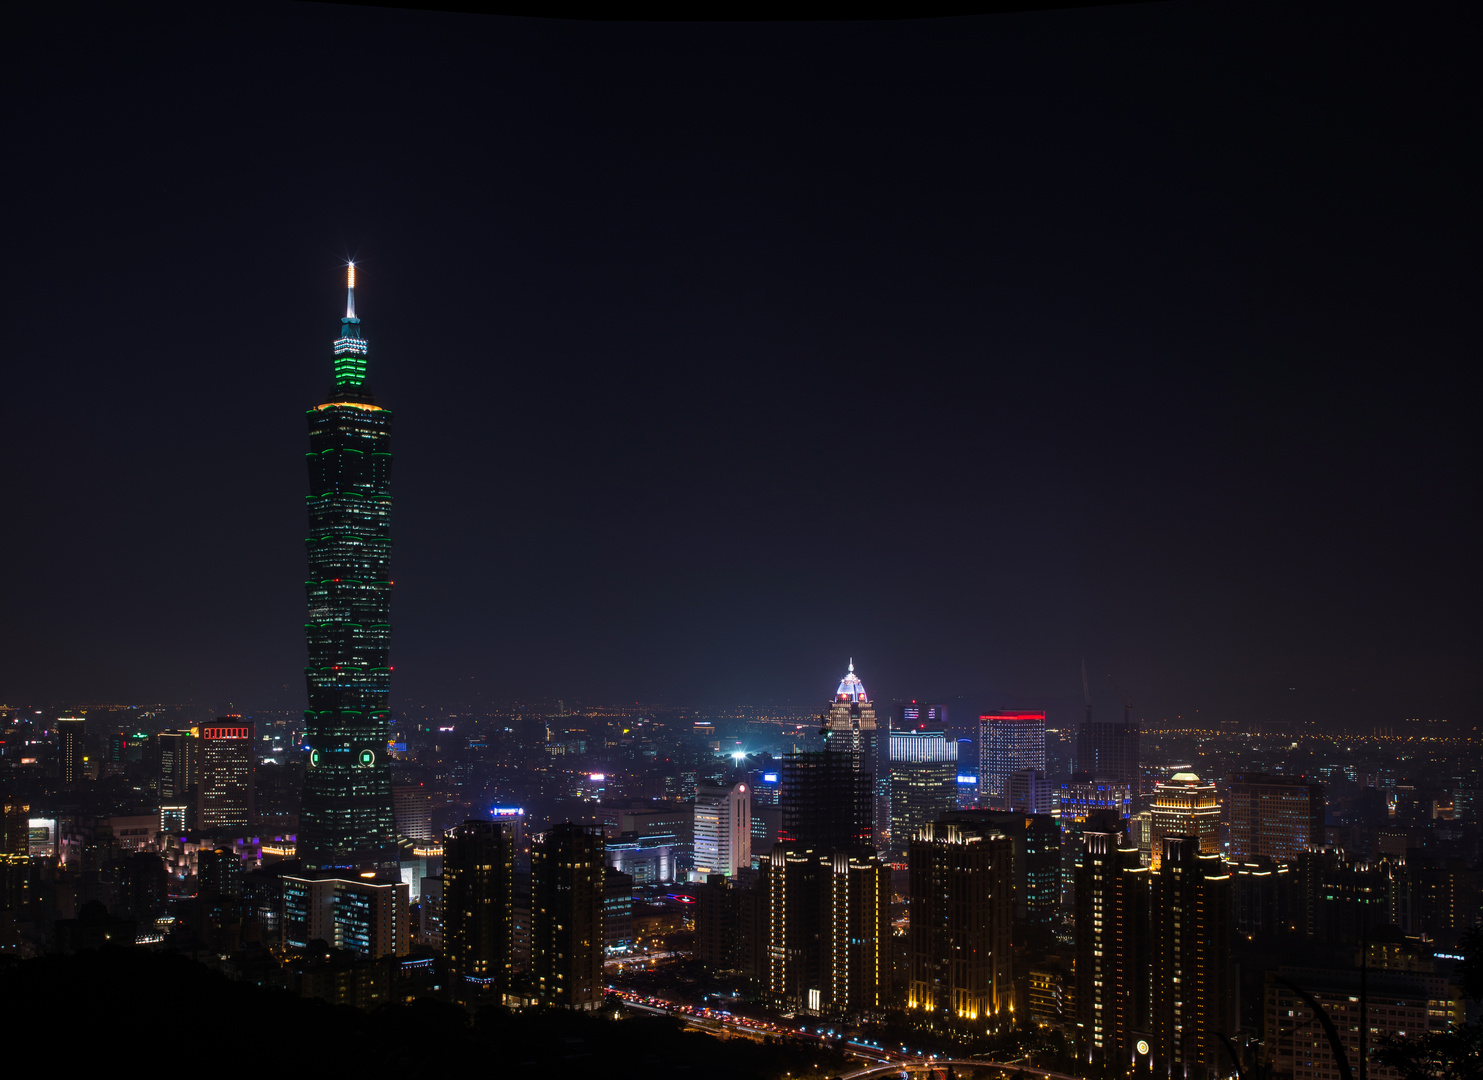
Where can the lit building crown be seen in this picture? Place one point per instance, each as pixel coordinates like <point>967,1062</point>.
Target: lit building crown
<point>850,687</point>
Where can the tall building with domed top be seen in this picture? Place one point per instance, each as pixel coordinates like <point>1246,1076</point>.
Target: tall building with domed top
<point>346,822</point>
<point>829,796</point>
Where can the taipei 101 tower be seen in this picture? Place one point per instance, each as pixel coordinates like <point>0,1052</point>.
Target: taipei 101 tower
<point>346,818</point>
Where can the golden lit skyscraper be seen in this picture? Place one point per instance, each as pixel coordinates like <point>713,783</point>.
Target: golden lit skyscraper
<point>1185,805</point>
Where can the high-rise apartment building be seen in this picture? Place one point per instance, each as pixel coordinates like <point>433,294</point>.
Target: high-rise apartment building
<point>477,921</point>
<point>1113,904</point>
<point>961,907</point>
<point>346,821</point>
<point>924,783</point>
<point>1193,1001</point>
<point>723,830</point>
<point>567,917</point>
<point>828,930</point>
<point>1275,816</point>
<point>1108,751</point>
<point>1007,743</point>
<point>1154,981</point>
<point>72,749</point>
<point>1184,805</point>
<point>224,795</point>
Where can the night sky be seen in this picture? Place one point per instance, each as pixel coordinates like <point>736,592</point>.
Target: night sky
<point>722,353</point>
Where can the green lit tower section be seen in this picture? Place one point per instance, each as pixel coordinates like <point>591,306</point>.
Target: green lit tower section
<point>346,819</point>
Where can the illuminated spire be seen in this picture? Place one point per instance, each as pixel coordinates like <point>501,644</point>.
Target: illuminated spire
<point>350,347</point>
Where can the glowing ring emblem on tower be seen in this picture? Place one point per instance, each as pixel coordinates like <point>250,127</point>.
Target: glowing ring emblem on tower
<point>368,757</point>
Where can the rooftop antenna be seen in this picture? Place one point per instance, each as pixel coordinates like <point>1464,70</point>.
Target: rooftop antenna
<point>1127,701</point>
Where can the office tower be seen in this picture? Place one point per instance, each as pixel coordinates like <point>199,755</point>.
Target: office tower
<point>224,796</point>
<point>71,749</point>
<point>1274,816</point>
<point>1113,902</point>
<point>1042,868</point>
<point>924,782</point>
<point>1030,792</point>
<point>828,930</point>
<point>723,830</point>
<point>412,808</point>
<point>369,916</point>
<point>180,766</point>
<point>477,921</point>
<point>566,917</point>
<point>1184,805</point>
<point>961,910</point>
<point>1193,982</point>
<point>1108,751</point>
<point>617,913</point>
<point>1081,797</point>
<point>851,731</point>
<point>1007,743</point>
<point>346,820</point>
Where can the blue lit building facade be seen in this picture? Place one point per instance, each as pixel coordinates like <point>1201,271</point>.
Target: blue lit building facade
<point>346,821</point>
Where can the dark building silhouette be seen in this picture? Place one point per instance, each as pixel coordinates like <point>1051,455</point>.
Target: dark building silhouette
<point>1108,751</point>
<point>478,905</point>
<point>346,819</point>
<point>566,917</point>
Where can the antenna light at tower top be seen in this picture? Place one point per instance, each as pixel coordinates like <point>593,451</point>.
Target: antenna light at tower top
<point>350,275</point>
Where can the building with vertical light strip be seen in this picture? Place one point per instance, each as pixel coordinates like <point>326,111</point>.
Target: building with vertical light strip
<point>828,928</point>
<point>71,749</point>
<point>1007,743</point>
<point>961,915</point>
<point>224,795</point>
<point>346,821</point>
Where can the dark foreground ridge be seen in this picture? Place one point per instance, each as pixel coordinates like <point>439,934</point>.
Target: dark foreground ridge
<point>204,1008</point>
